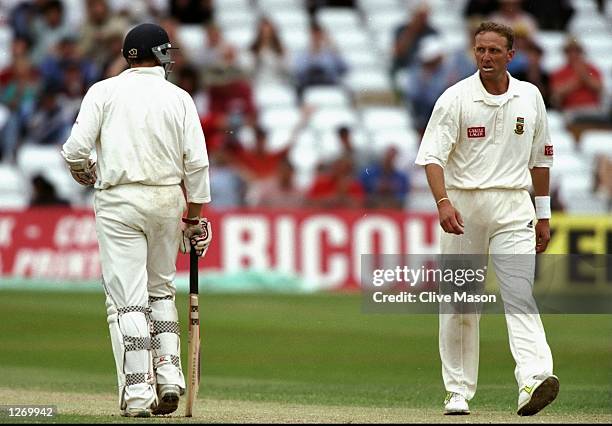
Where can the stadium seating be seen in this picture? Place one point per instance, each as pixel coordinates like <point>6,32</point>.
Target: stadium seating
<point>274,96</point>
<point>330,118</point>
<point>366,100</point>
<point>326,96</point>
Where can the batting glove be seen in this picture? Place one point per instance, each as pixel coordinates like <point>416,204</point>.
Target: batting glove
<point>83,171</point>
<point>197,234</point>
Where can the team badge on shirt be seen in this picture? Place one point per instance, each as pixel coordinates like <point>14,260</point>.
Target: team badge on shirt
<point>520,126</point>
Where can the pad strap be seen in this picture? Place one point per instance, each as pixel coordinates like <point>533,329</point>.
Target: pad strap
<point>160,327</point>
<point>136,378</point>
<point>133,343</point>
<point>145,310</point>
<point>153,299</point>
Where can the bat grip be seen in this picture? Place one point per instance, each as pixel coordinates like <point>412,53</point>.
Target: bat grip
<point>193,272</point>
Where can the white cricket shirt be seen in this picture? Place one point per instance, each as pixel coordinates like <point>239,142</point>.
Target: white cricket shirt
<point>145,130</point>
<point>485,141</point>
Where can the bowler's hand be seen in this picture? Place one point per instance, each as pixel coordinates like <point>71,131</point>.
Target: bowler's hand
<point>450,218</point>
<point>542,231</point>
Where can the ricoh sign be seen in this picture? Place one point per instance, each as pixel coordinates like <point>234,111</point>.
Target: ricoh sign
<point>323,248</point>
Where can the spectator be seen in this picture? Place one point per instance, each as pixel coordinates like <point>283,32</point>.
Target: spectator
<point>48,29</point>
<point>427,80</point>
<point>408,38</point>
<point>576,88</point>
<point>511,13</point>
<point>279,190</point>
<point>100,24</point>
<point>258,163</point>
<point>192,12</point>
<point>534,72</point>
<point>65,55</point>
<point>50,123</point>
<point>18,91</point>
<point>44,194</point>
<point>321,64</point>
<point>20,53</point>
<point>230,93</point>
<point>358,157</point>
<point>214,49</point>
<point>268,55</point>
<point>21,15</point>
<point>337,187</point>
<point>385,185</point>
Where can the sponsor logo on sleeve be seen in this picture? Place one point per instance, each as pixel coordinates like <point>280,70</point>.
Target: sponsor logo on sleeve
<point>476,132</point>
<point>548,150</point>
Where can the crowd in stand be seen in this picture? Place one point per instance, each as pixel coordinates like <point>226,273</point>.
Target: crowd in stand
<point>53,64</point>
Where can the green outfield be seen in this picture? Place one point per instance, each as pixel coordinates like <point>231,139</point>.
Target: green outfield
<point>291,358</point>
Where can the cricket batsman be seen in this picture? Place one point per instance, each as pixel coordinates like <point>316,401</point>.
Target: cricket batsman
<point>148,140</point>
<point>486,142</point>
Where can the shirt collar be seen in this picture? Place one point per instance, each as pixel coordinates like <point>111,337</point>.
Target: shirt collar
<point>156,70</point>
<point>481,94</point>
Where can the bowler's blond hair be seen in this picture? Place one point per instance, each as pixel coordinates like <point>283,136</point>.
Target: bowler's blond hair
<point>501,29</point>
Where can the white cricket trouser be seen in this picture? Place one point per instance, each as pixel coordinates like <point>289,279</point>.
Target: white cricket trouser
<point>138,228</point>
<point>496,222</point>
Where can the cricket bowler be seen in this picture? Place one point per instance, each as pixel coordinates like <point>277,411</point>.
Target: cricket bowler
<point>486,142</point>
<point>148,140</point>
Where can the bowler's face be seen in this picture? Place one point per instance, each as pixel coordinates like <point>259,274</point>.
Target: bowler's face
<point>492,55</point>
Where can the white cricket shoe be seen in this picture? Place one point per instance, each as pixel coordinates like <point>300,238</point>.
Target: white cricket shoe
<point>136,412</point>
<point>537,394</point>
<point>168,399</point>
<point>455,404</point>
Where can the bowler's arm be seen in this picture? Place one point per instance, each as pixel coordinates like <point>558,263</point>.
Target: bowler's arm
<point>450,219</point>
<point>540,161</point>
<point>540,179</point>
<point>441,134</point>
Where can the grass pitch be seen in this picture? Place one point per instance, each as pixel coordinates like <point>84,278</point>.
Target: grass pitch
<point>282,358</point>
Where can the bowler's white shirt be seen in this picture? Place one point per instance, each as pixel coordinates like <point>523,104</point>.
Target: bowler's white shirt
<point>145,130</point>
<point>485,141</point>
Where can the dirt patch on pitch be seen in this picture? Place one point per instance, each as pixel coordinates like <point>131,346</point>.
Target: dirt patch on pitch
<point>102,408</point>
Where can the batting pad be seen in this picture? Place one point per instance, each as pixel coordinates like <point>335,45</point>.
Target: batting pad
<point>131,342</point>
<point>165,342</point>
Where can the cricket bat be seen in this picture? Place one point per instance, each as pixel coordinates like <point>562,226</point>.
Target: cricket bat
<point>193,369</point>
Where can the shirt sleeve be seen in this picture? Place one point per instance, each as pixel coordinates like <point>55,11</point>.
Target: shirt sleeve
<point>86,128</point>
<point>441,133</point>
<point>542,147</point>
<point>195,157</point>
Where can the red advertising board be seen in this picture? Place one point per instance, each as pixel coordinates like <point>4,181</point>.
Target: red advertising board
<point>322,247</point>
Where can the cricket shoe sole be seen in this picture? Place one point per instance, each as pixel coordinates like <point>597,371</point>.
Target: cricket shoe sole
<point>168,401</point>
<point>541,393</point>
